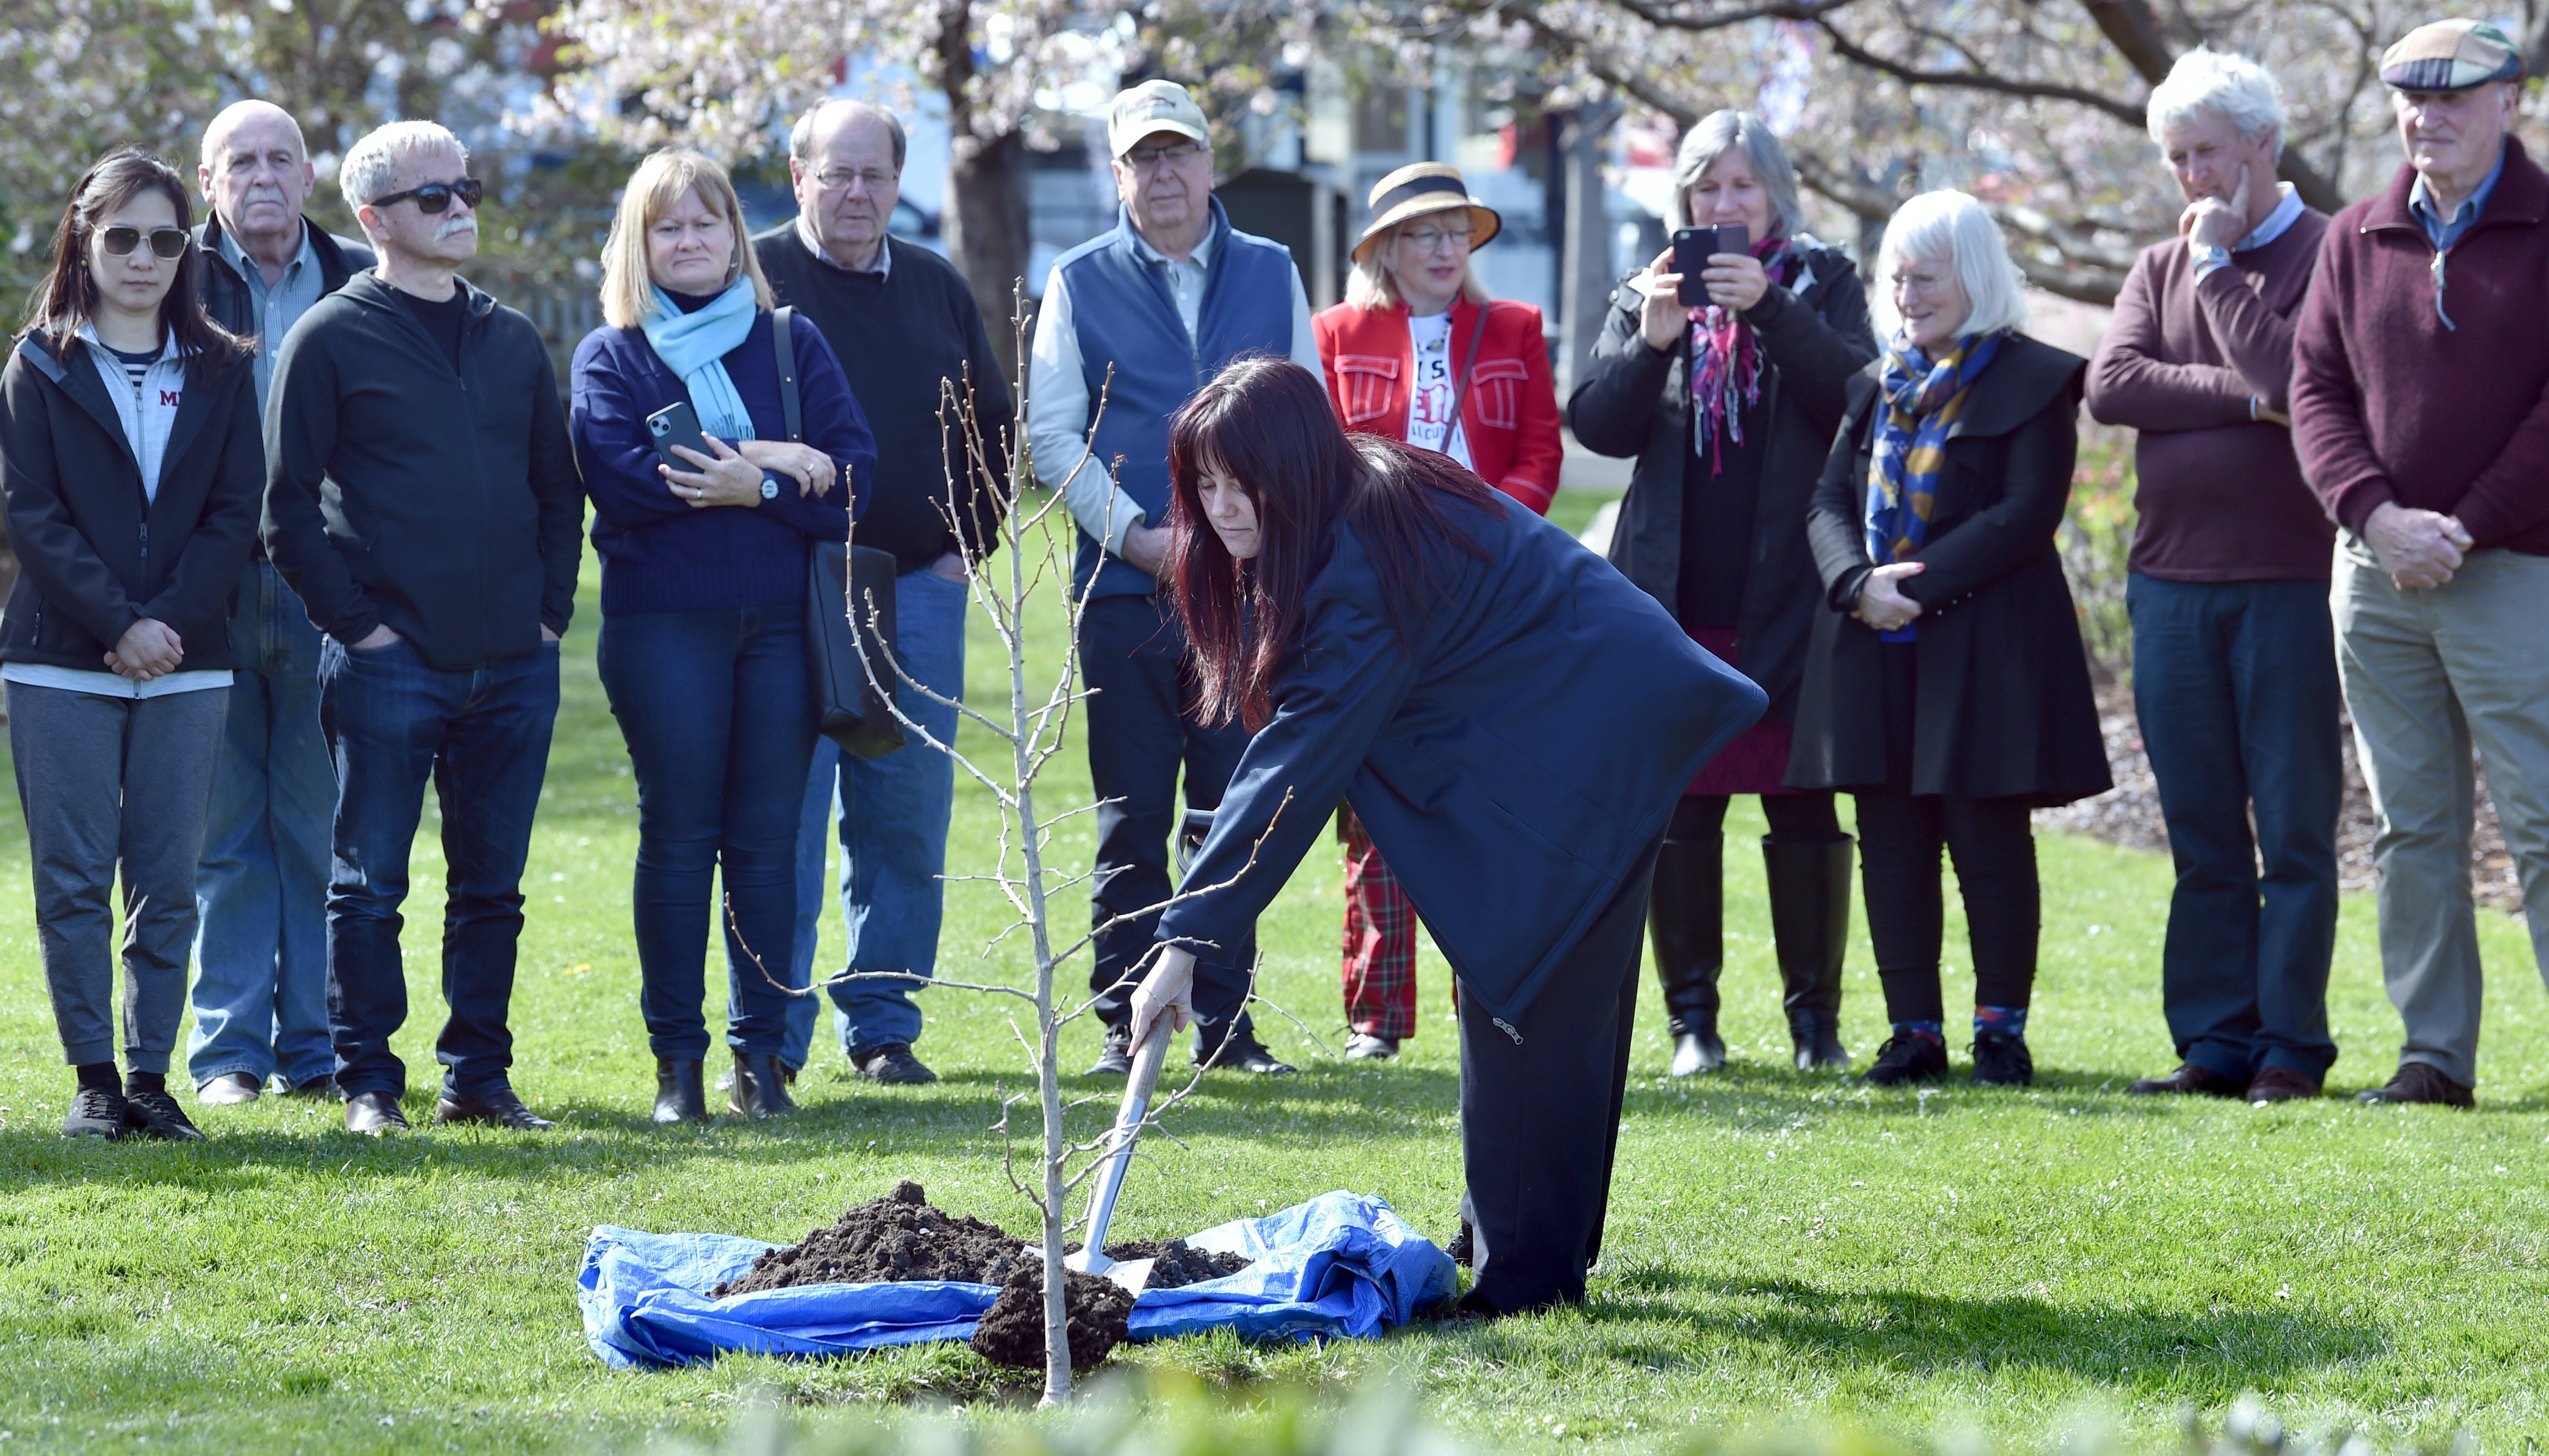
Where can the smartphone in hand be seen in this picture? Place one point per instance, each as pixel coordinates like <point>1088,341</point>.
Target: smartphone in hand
<point>677,424</point>
<point>1692,248</point>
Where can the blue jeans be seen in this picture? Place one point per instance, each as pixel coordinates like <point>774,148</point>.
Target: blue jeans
<point>261,890</point>
<point>720,719</point>
<point>482,738</point>
<point>891,820</point>
<point>2235,684</point>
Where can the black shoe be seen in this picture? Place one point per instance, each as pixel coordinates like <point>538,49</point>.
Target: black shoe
<point>1242,1052</point>
<point>322,1086</point>
<point>1461,1243</point>
<point>497,1106</point>
<point>760,1088</point>
<point>156,1114</point>
<point>678,1098</point>
<point>2422,1081</point>
<point>2189,1080</point>
<point>1698,1051</point>
<point>1116,1059</point>
<point>1364,1046</point>
<point>95,1113</point>
<point>1816,1035</point>
<point>1907,1056</point>
<point>374,1113</point>
<point>1809,885</point>
<point>1686,918</point>
<point>725,1079</point>
<point>894,1065</point>
<point>2002,1059</point>
<point>229,1090</point>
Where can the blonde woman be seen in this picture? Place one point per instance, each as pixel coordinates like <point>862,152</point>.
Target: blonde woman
<point>1419,352</point>
<point>703,569</point>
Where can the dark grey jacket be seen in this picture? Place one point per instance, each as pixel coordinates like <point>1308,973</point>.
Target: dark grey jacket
<point>225,292</point>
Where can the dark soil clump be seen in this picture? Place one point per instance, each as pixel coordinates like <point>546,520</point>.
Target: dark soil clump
<point>1012,1334</point>
<point>894,1240</point>
<point>1178,1265</point>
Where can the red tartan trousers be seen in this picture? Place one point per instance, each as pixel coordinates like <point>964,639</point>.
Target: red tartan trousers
<point>1381,941</point>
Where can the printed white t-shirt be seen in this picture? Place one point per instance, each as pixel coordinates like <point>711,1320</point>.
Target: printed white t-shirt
<point>1431,388</point>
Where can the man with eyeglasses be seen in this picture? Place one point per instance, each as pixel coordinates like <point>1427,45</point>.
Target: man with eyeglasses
<point>421,497</point>
<point>906,327</point>
<point>1133,323</point>
<point>2421,412</point>
<point>260,990</point>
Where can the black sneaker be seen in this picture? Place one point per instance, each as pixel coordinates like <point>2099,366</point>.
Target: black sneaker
<point>95,1113</point>
<point>1116,1060</point>
<point>1245,1053</point>
<point>2002,1060</point>
<point>1461,1244</point>
<point>156,1114</point>
<point>894,1065</point>
<point>1907,1056</point>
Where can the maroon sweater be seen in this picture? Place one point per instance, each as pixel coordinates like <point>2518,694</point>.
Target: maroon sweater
<point>2389,405</point>
<point>2219,496</point>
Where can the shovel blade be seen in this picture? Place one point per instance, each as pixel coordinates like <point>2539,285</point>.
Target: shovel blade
<point>1130,1274</point>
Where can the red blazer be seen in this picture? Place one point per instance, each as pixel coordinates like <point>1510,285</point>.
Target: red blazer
<point>1509,416</point>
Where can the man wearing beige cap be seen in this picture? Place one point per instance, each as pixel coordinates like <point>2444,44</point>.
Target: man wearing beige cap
<point>1133,323</point>
<point>2421,412</point>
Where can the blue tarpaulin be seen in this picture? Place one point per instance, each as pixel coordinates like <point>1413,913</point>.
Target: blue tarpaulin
<point>1341,1266</point>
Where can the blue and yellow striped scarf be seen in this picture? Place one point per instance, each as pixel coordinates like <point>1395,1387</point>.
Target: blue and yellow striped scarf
<point>1921,402</point>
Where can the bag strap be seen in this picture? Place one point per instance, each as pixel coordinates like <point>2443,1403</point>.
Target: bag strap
<point>780,337</point>
<point>1461,390</point>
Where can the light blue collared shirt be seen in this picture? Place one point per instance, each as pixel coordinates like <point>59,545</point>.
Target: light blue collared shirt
<point>2441,232</point>
<point>278,308</point>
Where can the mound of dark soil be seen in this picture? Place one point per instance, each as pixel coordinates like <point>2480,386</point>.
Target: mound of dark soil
<point>894,1240</point>
<point>1177,1264</point>
<point>1012,1334</point>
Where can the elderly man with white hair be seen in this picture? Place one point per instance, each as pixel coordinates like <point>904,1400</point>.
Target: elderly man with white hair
<point>2234,659</point>
<point>421,497</point>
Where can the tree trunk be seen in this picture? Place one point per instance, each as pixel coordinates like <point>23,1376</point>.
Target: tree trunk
<point>1588,278</point>
<point>987,226</point>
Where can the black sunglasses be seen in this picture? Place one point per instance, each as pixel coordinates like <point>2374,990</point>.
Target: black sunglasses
<point>121,239</point>
<point>436,197</point>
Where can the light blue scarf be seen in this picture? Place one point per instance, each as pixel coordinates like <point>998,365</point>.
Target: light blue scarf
<point>695,346</point>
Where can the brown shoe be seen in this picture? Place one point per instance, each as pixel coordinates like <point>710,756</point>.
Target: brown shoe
<point>2282,1084</point>
<point>2420,1082</point>
<point>2188,1079</point>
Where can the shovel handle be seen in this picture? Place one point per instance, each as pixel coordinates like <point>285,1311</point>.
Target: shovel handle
<point>1147,1060</point>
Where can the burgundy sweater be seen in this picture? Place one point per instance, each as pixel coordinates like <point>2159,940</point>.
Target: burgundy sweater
<point>2219,496</point>
<point>2389,405</point>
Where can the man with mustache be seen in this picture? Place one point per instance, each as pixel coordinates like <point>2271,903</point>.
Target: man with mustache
<point>260,990</point>
<point>421,497</point>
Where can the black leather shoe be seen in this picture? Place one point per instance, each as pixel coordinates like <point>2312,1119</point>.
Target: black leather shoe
<point>323,1086</point>
<point>2422,1081</point>
<point>1808,883</point>
<point>95,1113</point>
<point>2003,1060</point>
<point>1461,1244</point>
<point>1245,1053</point>
<point>497,1106</point>
<point>894,1065</point>
<point>1816,1034</point>
<point>373,1114</point>
<point>1907,1056</point>
<point>156,1114</point>
<point>229,1090</point>
<point>678,1098</point>
<point>2188,1080</point>
<point>760,1088</point>
<point>1116,1059</point>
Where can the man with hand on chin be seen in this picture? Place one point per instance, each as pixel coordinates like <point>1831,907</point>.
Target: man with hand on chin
<point>421,497</point>
<point>2234,658</point>
<point>2420,410</point>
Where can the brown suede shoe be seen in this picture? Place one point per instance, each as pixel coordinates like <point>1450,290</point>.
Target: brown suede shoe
<point>2187,1080</point>
<point>2280,1084</point>
<point>2419,1082</point>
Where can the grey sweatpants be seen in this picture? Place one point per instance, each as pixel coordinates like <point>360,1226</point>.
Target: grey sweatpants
<point>109,782</point>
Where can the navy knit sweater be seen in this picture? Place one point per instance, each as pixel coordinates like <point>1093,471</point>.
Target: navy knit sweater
<point>662,554</point>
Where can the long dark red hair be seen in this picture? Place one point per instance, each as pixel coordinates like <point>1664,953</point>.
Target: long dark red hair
<point>1267,423</point>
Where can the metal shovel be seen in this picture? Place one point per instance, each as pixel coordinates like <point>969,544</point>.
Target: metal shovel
<point>1132,1274</point>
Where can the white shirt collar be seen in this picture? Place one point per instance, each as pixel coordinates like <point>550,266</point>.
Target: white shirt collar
<point>1201,257</point>
<point>2286,213</point>
<point>814,245</point>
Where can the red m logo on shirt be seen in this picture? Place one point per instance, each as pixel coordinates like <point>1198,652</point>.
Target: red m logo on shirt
<point>169,398</point>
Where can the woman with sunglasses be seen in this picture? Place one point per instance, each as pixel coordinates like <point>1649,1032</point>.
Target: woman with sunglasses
<point>704,581</point>
<point>1512,721</point>
<point>1419,352</point>
<point>131,465</point>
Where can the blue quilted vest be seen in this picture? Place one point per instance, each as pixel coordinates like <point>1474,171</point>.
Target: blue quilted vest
<point>1124,316</point>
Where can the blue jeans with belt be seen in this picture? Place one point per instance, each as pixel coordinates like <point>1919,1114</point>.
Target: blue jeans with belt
<point>260,989</point>
<point>718,715</point>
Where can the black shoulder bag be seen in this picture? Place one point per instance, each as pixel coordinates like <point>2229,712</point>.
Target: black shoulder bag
<point>849,597</point>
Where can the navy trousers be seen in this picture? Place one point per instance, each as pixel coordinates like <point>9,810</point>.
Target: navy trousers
<point>2237,688</point>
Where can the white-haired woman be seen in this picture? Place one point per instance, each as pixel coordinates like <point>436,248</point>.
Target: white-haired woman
<point>1945,688</point>
<point>1729,409</point>
<point>703,579</point>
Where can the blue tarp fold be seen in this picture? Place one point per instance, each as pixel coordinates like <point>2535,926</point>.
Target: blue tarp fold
<point>1341,1266</point>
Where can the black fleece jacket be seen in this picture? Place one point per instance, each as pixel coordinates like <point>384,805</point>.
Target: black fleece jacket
<point>444,504</point>
<point>95,555</point>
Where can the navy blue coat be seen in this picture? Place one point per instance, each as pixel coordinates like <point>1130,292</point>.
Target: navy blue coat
<point>1512,762</point>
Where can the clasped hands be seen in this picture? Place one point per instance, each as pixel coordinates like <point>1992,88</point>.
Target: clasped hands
<point>2420,550</point>
<point>1881,603</point>
<point>731,475</point>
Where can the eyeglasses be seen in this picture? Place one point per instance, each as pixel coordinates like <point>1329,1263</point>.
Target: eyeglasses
<point>436,197</point>
<point>120,240</point>
<point>1175,155</point>
<point>1426,239</point>
<point>838,179</point>
<point>1923,281</point>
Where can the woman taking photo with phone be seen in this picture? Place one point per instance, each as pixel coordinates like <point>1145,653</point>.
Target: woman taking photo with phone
<point>703,600</point>
<point>131,465</point>
<point>1419,352</point>
<point>1727,385</point>
<point>1511,721</point>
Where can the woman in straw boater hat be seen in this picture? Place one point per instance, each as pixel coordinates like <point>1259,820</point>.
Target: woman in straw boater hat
<point>1419,352</point>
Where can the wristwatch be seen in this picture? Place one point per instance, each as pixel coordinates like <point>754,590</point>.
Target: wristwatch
<point>768,489</point>
<point>2208,257</point>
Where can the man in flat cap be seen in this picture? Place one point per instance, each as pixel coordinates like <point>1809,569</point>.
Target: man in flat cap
<point>2421,412</point>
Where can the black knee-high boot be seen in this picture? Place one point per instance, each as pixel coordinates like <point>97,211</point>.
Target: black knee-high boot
<point>1810,887</point>
<point>1685,916</point>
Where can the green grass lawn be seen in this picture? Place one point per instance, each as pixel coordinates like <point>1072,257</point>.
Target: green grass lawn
<point>1784,1250</point>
